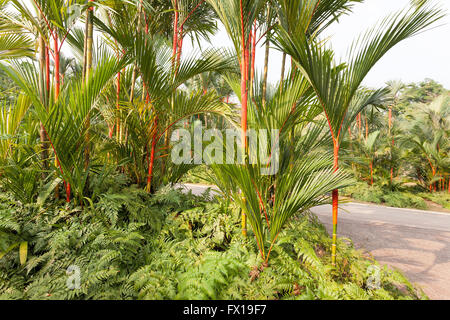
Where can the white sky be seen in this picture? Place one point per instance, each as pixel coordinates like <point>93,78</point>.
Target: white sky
<point>424,56</point>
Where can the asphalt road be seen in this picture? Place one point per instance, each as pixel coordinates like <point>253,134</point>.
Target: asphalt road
<point>413,241</point>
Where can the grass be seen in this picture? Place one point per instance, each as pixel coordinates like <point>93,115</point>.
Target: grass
<point>130,245</point>
<point>441,198</point>
<point>402,198</point>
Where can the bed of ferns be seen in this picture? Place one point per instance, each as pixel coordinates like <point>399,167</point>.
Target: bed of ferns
<point>131,245</point>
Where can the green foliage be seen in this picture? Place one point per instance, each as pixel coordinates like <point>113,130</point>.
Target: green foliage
<point>131,245</point>
<point>404,200</point>
<point>363,192</point>
<point>379,195</point>
<point>199,175</point>
<point>442,198</point>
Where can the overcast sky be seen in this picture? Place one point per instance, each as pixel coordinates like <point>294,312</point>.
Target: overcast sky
<point>424,56</point>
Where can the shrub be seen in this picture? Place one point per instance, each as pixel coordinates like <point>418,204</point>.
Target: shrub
<point>404,200</point>
<point>363,192</point>
<point>133,245</point>
<point>442,198</point>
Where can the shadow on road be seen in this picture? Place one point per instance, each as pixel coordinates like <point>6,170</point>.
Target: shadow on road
<point>423,255</point>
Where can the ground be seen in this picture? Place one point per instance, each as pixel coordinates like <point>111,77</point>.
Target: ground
<point>413,241</point>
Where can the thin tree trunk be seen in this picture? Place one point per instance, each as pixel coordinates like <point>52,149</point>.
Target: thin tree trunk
<point>152,157</point>
<point>86,27</point>
<point>88,56</point>
<point>47,70</point>
<point>371,173</point>
<point>57,91</point>
<point>57,66</point>
<point>44,97</point>
<point>244,100</point>
<point>335,201</point>
<point>283,66</point>
<point>144,90</point>
<point>266,60</point>
<point>367,127</point>
<point>180,46</point>
<point>175,45</point>
<point>253,58</point>
<point>89,40</point>
<point>390,134</point>
<point>118,124</point>
<point>47,76</point>
<point>134,75</point>
<point>175,36</point>
<point>359,125</point>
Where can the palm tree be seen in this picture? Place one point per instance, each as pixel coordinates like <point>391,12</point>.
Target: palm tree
<point>271,200</point>
<point>238,17</point>
<point>336,84</point>
<point>395,88</point>
<point>426,131</point>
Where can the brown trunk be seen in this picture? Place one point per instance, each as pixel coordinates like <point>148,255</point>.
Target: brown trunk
<point>367,128</point>
<point>283,67</point>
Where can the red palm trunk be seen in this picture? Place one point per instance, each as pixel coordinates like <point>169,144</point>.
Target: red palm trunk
<point>335,201</point>
<point>57,63</point>
<point>180,46</point>
<point>57,91</point>
<point>359,124</point>
<point>367,128</point>
<point>252,71</point>
<point>175,33</point>
<point>244,80</point>
<point>244,98</point>
<point>119,138</point>
<point>371,173</point>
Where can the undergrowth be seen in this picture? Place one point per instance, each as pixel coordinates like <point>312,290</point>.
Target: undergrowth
<point>198,175</point>
<point>441,198</point>
<point>131,245</point>
<point>379,195</point>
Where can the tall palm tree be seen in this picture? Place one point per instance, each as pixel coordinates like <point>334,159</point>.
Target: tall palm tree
<point>298,183</point>
<point>238,17</point>
<point>336,84</point>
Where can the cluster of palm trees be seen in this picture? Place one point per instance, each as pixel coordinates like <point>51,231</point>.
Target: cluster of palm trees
<point>403,140</point>
<point>132,85</point>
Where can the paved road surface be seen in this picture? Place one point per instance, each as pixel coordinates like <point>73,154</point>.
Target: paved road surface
<point>413,241</point>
